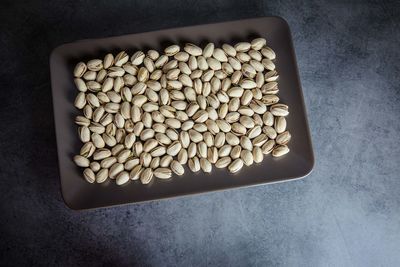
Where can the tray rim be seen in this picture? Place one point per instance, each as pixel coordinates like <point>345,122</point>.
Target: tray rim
<point>307,172</point>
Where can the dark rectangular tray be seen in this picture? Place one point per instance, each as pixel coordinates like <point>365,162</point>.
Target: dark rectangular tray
<point>78,194</point>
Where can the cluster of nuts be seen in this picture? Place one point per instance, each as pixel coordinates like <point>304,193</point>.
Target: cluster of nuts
<point>147,115</point>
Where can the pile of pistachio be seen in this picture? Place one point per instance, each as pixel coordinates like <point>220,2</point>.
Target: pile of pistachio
<point>149,114</point>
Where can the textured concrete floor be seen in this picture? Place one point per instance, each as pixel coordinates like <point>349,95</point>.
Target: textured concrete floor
<point>346,213</point>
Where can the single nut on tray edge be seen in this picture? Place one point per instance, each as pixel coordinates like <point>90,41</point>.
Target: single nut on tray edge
<point>150,113</point>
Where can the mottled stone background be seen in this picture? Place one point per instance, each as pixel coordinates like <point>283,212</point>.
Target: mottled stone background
<point>346,213</point>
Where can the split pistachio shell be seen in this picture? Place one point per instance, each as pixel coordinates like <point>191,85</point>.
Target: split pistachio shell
<point>102,176</point>
<point>177,168</point>
<point>81,161</point>
<point>122,178</point>
<point>136,172</point>
<point>183,156</point>
<point>87,150</point>
<point>108,61</point>
<point>242,46</point>
<point>131,163</point>
<point>205,165</point>
<point>80,69</point>
<point>108,162</point>
<point>258,43</point>
<point>115,169</point>
<point>193,50</point>
<point>137,58</point>
<point>257,154</point>
<point>283,138</point>
<point>229,50</point>
<point>208,50</point>
<point>268,147</point>
<point>223,162</point>
<point>268,53</point>
<point>171,50</point>
<point>163,173</point>
<point>280,151</point>
<point>280,124</point>
<point>155,163</point>
<point>247,157</point>
<point>146,176</point>
<point>121,58</point>
<point>89,175</point>
<point>235,166</point>
<point>235,152</point>
<point>101,153</point>
<point>194,164</point>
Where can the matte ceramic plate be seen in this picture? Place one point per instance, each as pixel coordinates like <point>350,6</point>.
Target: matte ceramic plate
<point>78,194</point>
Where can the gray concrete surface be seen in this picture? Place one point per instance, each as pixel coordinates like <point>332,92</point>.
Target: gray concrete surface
<point>346,213</point>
